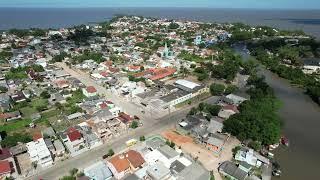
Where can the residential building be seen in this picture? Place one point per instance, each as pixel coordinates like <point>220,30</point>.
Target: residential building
<point>232,171</point>
<point>251,157</point>
<point>98,171</point>
<point>90,91</point>
<point>158,171</point>
<point>119,166</point>
<point>75,139</point>
<point>39,152</point>
<point>6,168</point>
<point>59,148</point>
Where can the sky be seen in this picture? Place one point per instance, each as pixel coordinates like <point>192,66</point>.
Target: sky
<point>255,4</point>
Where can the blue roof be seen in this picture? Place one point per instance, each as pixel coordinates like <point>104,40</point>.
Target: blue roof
<point>98,171</point>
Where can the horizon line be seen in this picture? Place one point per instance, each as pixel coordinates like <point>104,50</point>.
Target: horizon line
<point>182,7</point>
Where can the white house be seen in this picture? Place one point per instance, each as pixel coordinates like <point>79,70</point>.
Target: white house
<point>39,152</point>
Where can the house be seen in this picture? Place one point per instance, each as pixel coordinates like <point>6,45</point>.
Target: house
<point>158,171</point>
<point>119,166</point>
<point>311,65</point>
<point>233,99</point>
<point>124,163</point>
<point>156,74</point>
<point>227,111</point>
<point>125,118</point>
<point>59,148</point>
<point>11,116</point>
<point>215,142</point>
<point>39,152</point>
<point>6,168</point>
<point>102,130</point>
<point>75,116</point>
<point>61,83</point>
<point>164,154</point>
<point>98,171</point>
<point>232,171</point>
<point>91,139</point>
<point>215,125</point>
<point>18,97</point>
<point>20,148</point>
<point>60,74</point>
<point>4,102</point>
<point>193,171</point>
<point>57,98</point>
<point>135,159</point>
<point>48,132</point>
<point>75,138</point>
<point>5,154</point>
<point>251,157</point>
<point>102,115</point>
<point>90,91</point>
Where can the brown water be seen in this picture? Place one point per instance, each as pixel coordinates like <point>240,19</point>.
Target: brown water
<point>301,116</point>
<point>301,161</point>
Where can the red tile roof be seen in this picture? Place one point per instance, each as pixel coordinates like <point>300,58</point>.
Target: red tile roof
<point>5,167</point>
<point>156,74</point>
<point>135,158</point>
<point>4,153</point>
<point>36,136</point>
<point>73,134</point>
<point>103,105</point>
<point>91,89</point>
<point>120,163</point>
<point>104,74</point>
<point>125,118</point>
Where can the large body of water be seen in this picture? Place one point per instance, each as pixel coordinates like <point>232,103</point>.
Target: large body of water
<point>301,116</point>
<point>309,21</point>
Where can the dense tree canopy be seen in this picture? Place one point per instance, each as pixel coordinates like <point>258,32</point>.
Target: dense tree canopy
<point>258,119</point>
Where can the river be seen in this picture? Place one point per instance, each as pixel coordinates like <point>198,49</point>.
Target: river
<point>301,116</point>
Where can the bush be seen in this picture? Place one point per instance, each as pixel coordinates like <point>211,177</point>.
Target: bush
<point>110,152</point>
<point>142,138</point>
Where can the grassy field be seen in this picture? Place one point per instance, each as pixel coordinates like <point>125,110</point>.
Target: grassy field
<point>28,111</point>
<point>16,125</point>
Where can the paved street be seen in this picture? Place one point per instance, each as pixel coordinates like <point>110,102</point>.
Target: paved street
<point>89,157</point>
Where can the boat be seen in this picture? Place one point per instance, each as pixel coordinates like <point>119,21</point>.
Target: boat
<point>284,141</point>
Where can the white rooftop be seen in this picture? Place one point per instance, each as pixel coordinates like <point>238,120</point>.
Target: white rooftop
<point>186,83</point>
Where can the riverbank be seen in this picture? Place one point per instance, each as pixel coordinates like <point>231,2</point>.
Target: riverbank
<point>301,126</point>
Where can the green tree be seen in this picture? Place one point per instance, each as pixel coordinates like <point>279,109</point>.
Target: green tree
<point>45,95</point>
<point>193,111</point>
<point>3,89</point>
<point>217,89</point>
<point>213,109</point>
<point>134,125</point>
<point>249,67</point>
<point>230,89</point>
